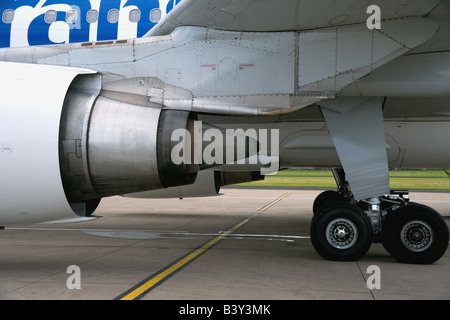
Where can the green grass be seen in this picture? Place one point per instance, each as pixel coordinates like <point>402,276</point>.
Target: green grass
<point>401,179</point>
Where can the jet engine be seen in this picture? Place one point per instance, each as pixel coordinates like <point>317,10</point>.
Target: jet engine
<point>108,147</point>
<point>64,146</point>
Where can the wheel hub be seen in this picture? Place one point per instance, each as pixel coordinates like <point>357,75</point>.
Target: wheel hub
<point>416,235</point>
<point>341,233</point>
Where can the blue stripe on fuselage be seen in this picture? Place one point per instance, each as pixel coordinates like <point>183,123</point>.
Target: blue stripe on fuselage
<point>29,26</point>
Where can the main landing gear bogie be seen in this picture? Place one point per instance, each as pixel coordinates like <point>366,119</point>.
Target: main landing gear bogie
<point>343,229</point>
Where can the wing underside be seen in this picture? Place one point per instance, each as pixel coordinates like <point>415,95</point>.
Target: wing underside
<point>284,15</point>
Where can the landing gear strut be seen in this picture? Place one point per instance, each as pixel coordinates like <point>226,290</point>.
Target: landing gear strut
<point>343,229</point>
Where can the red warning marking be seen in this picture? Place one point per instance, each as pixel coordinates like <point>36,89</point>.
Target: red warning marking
<point>212,66</point>
<point>242,65</point>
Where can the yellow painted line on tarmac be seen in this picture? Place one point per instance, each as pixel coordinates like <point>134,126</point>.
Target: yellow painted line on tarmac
<point>148,284</point>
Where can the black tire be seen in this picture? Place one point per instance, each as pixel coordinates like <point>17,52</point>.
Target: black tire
<point>326,198</point>
<point>341,232</point>
<point>416,234</point>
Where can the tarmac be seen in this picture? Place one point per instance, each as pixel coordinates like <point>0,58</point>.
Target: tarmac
<point>247,244</point>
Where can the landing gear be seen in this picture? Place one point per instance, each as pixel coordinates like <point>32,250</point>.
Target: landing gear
<point>340,230</point>
<point>415,233</point>
<point>343,229</point>
<point>342,194</point>
<point>327,197</point>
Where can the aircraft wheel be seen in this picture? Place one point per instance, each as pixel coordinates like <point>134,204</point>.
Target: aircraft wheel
<point>415,233</point>
<point>341,232</point>
<point>325,198</point>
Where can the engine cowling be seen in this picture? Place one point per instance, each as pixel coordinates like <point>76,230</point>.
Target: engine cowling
<point>30,112</point>
<point>108,147</point>
<point>64,146</point>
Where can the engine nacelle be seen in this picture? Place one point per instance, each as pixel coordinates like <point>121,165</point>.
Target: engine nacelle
<point>30,113</point>
<point>108,147</point>
<point>63,146</point>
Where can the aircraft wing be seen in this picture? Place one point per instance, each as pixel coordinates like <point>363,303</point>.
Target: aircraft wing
<point>283,15</point>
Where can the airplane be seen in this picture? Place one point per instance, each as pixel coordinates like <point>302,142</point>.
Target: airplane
<point>359,87</point>
<point>44,22</point>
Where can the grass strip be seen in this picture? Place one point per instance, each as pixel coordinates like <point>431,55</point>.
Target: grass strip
<point>402,179</point>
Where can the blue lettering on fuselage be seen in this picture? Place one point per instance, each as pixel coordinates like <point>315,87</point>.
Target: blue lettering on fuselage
<point>28,27</point>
